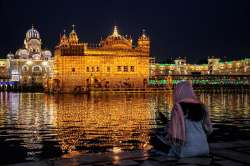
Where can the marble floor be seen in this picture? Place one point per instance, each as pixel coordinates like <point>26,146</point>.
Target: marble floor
<point>221,154</point>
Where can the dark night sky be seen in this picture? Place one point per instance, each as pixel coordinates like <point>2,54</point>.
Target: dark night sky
<point>195,29</point>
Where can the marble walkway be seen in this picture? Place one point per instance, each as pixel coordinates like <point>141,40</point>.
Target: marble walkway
<point>222,154</point>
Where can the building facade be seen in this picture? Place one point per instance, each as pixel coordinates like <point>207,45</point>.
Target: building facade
<point>113,63</point>
<point>31,65</point>
<point>214,67</point>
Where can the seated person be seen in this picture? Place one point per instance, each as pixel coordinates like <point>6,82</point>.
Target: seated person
<point>189,124</point>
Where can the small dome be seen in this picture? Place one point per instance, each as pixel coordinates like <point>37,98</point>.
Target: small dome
<point>73,38</point>
<point>116,35</point>
<point>32,34</point>
<point>47,54</point>
<point>22,53</point>
<point>10,55</point>
<point>36,56</point>
<point>116,41</point>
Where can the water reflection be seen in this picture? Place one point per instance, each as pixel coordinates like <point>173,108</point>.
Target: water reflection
<point>42,126</point>
<point>227,105</point>
<point>230,115</point>
<point>103,122</point>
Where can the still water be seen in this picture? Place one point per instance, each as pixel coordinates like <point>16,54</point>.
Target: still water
<point>34,126</point>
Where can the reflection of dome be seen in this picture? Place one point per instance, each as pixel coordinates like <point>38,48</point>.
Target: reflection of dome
<point>116,41</point>
<point>32,34</point>
<point>47,54</point>
<point>36,56</point>
<point>22,53</point>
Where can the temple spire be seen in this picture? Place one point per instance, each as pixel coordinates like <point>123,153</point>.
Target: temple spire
<point>64,33</point>
<point>143,32</point>
<point>115,32</point>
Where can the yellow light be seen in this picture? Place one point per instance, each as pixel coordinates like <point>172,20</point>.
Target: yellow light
<point>29,62</point>
<point>44,63</point>
<point>116,150</point>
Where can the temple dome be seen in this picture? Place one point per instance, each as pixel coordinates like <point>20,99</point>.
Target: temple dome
<point>22,53</point>
<point>116,41</point>
<point>10,55</point>
<point>32,34</point>
<point>36,56</point>
<point>73,38</point>
<point>116,35</point>
<point>46,54</point>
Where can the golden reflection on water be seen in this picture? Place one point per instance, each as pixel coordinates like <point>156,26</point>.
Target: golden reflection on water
<point>101,122</point>
<point>105,120</point>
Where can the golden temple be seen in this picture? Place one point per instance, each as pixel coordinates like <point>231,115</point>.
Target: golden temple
<point>113,63</point>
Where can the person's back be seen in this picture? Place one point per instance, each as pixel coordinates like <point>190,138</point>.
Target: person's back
<point>196,139</point>
<point>189,124</point>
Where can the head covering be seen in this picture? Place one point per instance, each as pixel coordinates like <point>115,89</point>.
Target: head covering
<point>176,130</point>
<point>184,91</point>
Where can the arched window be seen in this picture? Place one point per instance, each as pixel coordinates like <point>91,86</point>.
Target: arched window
<point>25,68</point>
<point>36,69</point>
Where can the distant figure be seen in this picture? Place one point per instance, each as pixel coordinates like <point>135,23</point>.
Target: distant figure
<point>189,124</point>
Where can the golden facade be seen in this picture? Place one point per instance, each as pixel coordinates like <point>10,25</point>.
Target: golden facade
<point>114,63</point>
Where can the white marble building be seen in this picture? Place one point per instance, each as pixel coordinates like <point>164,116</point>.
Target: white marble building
<point>31,65</point>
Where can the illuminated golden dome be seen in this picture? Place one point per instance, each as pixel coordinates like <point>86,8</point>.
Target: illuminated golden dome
<point>116,41</point>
